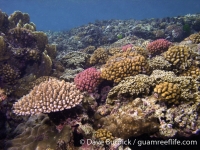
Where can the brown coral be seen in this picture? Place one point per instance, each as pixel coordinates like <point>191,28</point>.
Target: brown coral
<point>2,47</point>
<point>103,135</point>
<point>9,74</point>
<point>131,86</point>
<point>99,56</point>
<point>124,65</point>
<point>49,96</point>
<point>41,39</point>
<point>179,57</point>
<point>195,38</point>
<point>192,71</point>
<point>168,92</point>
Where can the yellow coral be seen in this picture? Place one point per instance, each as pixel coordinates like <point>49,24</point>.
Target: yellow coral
<point>168,92</point>
<point>192,71</point>
<point>179,57</point>
<point>49,96</point>
<point>195,38</point>
<point>124,65</point>
<point>103,135</point>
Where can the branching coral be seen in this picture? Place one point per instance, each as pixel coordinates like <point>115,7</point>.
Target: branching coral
<point>179,56</point>
<point>159,62</point>
<point>158,46</point>
<point>88,80</point>
<point>99,56</point>
<point>49,96</point>
<point>131,86</point>
<point>124,65</point>
<point>195,38</point>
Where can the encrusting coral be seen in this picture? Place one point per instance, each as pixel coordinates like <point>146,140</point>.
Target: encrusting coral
<point>124,65</point>
<point>131,87</point>
<point>49,96</point>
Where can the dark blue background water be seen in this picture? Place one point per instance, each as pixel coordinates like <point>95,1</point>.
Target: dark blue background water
<point>66,14</point>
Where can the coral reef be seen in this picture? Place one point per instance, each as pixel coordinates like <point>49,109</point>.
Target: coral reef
<point>49,96</point>
<point>99,56</point>
<point>159,63</point>
<point>179,56</point>
<point>193,71</point>
<point>130,87</point>
<point>88,80</point>
<point>158,46</point>
<point>195,38</point>
<point>103,135</point>
<point>124,65</point>
<point>39,133</point>
<point>168,92</point>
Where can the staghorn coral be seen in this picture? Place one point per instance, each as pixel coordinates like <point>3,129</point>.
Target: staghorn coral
<point>195,38</point>
<point>192,71</point>
<point>49,96</point>
<point>158,46</point>
<point>131,86</point>
<point>179,56</point>
<point>168,92</point>
<point>88,80</point>
<point>104,136</point>
<point>124,65</point>
<point>159,62</point>
<point>100,56</point>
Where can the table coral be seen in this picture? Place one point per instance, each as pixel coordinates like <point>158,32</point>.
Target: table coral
<point>49,96</point>
<point>88,80</point>
<point>124,65</point>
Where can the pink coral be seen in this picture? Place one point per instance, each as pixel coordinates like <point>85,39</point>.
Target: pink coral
<point>88,80</point>
<point>158,46</point>
<point>127,47</point>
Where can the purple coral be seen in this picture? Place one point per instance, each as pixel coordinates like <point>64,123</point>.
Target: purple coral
<point>88,80</point>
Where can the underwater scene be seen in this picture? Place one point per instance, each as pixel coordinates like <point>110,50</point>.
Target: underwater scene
<point>99,75</point>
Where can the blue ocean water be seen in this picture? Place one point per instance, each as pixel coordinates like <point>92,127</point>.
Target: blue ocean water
<point>66,14</point>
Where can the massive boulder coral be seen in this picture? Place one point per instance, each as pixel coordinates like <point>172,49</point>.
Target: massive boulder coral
<point>88,80</point>
<point>131,87</point>
<point>159,63</point>
<point>124,65</point>
<point>49,96</point>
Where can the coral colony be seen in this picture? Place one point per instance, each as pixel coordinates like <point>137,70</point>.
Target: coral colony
<point>96,86</point>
